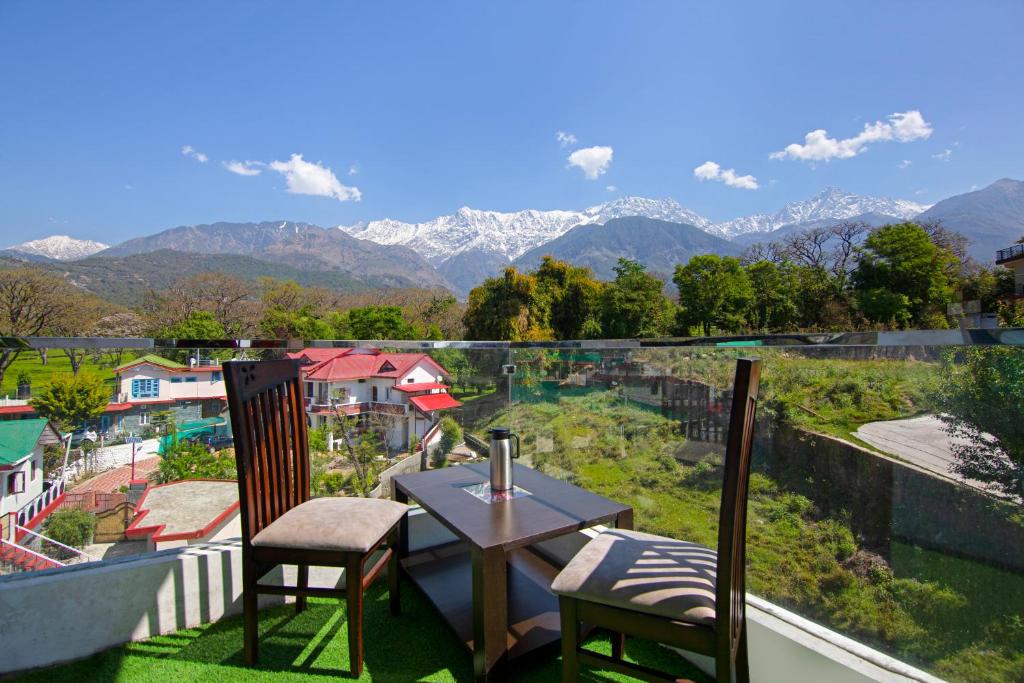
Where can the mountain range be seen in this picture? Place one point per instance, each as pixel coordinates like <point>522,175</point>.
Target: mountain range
<point>459,250</point>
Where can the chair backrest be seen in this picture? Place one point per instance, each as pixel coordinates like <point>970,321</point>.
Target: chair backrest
<point>730,597</point>
<point>268,422</point>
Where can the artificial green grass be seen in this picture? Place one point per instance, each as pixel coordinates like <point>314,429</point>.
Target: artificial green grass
<point>313,646</point>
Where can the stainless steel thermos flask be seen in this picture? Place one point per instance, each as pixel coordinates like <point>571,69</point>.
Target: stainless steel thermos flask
<point>501,458</point>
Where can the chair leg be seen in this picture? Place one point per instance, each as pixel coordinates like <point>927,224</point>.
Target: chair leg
<point>618,645</point>
<point>250,613</point>
<point>301,581</point>
<point>394,576</point>
<point>354,599</point>
<point>570,640</point>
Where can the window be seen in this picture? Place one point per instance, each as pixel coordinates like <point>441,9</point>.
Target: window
<point>32,476</point>
<point>215,376</point>
<point>410,380</point>
<point>175,380</point>
<point>143,418</point>
<point>191,379</point>
<point>145,388</point>
<point>16,482</point>
<point>362,381</point>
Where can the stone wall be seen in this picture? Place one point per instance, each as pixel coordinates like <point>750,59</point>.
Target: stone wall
<point>885,500</point>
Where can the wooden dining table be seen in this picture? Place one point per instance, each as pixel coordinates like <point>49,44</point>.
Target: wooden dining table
<point>491,585</point>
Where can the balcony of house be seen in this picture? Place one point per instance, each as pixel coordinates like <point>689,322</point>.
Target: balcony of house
<point>883,534</point>
<point>1010,255</point>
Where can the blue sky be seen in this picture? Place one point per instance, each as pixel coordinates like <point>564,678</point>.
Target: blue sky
<point>420,108</point>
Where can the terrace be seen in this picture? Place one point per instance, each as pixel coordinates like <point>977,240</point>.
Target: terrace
<point>864,563</point>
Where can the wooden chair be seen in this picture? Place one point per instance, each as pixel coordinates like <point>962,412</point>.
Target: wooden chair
<point>665,590</point>
<point>281,524</point>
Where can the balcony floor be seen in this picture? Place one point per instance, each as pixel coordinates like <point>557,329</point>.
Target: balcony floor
<point>416,646</point>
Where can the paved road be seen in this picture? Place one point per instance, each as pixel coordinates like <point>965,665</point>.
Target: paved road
<point>920,440</point>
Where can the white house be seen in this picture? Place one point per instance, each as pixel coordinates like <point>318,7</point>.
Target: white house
<point>21,466</point>
<point>406,389</point>
<point>151,383</point>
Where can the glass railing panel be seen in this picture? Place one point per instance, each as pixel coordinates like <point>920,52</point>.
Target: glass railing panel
<point>879,507</point>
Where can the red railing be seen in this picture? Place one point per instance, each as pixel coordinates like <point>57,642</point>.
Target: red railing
<point>92,501</point>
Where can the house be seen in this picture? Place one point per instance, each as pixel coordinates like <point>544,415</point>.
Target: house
<point>151,383</point>
<point>1013,258</point>
<point>406,391</point>
<point>23,491</point>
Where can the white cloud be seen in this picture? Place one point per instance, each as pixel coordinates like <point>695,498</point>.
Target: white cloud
<point>904,164</point>
<point>709,170</point>
<point>304,177</point>
<point>565,139</point>
<point>247,168</point>
<point>593,161</point>
<point>944,155</point>
<point>611,188</point>
<point>904,126</point>
<point>353,170</point>
<point>920,192</point>
<point>193,153</point>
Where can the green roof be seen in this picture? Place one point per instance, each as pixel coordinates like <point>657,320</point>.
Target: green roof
<point>153,359</point>
<point>18,438</point>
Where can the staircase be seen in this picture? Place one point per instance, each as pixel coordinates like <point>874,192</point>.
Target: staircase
<point>16,558</point>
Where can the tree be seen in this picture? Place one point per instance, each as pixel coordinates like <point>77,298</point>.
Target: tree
<point>198,325</point>
<point>230,300</point>
<point>774,287</point>
<point>79,317</point>
<point>979,385</point>
<point>361,453</point>
<point>506,307</point>
<point>714,291</point>
<point>378,322</point>
<point>901,261</point>
<point>451,435</point>
<point>634,305</point>
<point>72,400</point>
<point>30,303</point>
<point>573,298</point>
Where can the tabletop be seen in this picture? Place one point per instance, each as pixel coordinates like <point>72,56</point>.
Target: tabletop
<point>551,509</point>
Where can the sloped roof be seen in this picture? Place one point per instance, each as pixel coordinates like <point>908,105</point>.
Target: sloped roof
<point>18,438</point>
<point>332,365</point>
<point>431,402</point>
<point>420,386</point>
<point>152,359</point>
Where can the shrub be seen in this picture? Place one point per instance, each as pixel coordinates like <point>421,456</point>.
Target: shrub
<point>329,483</point>
<point>194,461</point>
<point>451,434</point>
<point>70,527</point>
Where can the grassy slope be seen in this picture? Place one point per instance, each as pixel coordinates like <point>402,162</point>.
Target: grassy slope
<point>929,609</point>
<point>313,646</point>
<point>57,364</point>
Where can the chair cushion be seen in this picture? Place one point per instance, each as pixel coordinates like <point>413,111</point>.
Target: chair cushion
<point>644,573</point>
<point>340,524</point>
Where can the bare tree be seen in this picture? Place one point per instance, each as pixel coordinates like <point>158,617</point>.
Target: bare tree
<point>808,248</point>
<point>229,299</point>
<point>763,251</point>
<point>847,236</point>
<point>30,303</point>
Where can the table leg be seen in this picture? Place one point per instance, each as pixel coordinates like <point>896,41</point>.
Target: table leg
<point>624,520</point>
<point>490,611</point>
<point>403,525</point>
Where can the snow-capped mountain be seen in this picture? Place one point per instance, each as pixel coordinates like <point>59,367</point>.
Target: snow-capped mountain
<point>510,234</point>
<point>659,209</point>
<point>60,247</point>
<point>830,203</point>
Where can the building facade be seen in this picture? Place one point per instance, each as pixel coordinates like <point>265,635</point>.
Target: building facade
<point>402,393</point>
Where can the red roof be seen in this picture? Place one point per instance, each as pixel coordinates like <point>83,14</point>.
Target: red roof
<point>431,402</point>
<point>420,386</point>
<point>332,365</point>
<point>16,410</point>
